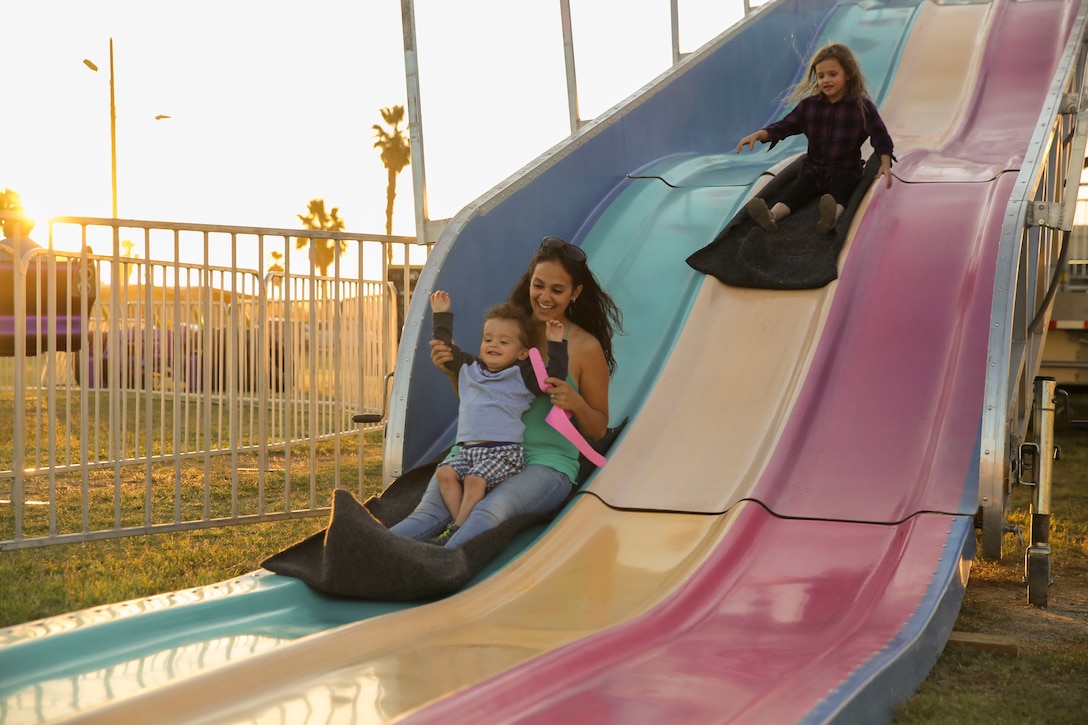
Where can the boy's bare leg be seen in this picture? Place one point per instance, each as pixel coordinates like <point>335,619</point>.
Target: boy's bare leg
<point>475,488</point>
<point>449,485</point>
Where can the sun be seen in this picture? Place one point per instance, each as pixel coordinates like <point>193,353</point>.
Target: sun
<point>39,216</point>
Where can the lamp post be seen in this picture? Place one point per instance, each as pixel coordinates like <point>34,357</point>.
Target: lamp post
<point>113,128</point>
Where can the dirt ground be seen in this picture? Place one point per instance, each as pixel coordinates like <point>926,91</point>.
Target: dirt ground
<point>1009,662</point>
<point>996,603</point>
<point>996,597</point>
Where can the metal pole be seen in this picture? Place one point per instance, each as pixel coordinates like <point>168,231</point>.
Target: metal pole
<point>568,57</point>
<point>1037,557</point>
<point>113,130</point>
<point>415,124</point>
<point>18,441</point>
<point>113,136</point>
<point>675,15</point>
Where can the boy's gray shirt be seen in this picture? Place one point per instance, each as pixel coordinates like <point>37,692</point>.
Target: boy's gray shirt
<point>492,403</point>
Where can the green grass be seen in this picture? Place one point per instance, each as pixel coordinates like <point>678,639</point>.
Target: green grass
<point>151,425</point>
<point>156,494</point>
<point>187,494</point>
<point>53,580</point>
<point>150,480</point>
<point>45,581</point>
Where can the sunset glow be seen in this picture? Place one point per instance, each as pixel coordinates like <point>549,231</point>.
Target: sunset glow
<point>241,112</point>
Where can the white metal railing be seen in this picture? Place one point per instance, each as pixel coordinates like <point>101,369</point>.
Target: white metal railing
<point>1034,246</point>
<point>1077,273</point>
<point>159,376</point>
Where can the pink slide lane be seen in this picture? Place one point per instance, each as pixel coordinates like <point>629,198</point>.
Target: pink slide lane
<point>888,421</point>
<point>770,627</point>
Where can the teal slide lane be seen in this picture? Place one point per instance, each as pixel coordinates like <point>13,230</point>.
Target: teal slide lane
<point>640,189</point>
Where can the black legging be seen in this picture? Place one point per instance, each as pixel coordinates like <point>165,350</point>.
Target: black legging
<point>807,187</point>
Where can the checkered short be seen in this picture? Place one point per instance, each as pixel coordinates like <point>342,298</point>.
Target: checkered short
<point>493,463</point>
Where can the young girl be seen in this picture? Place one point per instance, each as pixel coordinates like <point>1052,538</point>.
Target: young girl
<point>835,113</point>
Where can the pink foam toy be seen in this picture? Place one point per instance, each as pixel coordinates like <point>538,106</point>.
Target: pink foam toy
<point>560,419</point>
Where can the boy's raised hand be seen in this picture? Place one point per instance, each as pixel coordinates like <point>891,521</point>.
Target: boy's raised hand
<point>554,330</point>
<point>440,301</point>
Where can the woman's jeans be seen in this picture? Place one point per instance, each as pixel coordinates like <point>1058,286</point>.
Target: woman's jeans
<point>536,490</point>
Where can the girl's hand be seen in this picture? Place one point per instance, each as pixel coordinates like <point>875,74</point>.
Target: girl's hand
<point>750,140</point>
<point>886,172</point>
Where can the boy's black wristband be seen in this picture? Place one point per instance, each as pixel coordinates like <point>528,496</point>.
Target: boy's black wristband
<point>442,326</point>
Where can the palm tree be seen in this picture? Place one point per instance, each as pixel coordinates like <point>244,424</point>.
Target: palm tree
<point>276,270</point>
<point>323,252</point>
<point>396,153</point>
<point>131,272</point>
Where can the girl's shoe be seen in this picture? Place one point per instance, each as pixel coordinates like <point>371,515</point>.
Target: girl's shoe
<point>761,215</point>
<point>827,214</point>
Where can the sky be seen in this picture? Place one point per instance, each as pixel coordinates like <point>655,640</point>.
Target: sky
<point>271,103</point>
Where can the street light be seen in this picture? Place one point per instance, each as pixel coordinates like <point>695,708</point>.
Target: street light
<point>113,128</point>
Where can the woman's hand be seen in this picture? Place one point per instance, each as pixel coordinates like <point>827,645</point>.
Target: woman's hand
<point>563,395</point>
<point>592,422</point>
<point>587,399</point>
<point>441,353</point>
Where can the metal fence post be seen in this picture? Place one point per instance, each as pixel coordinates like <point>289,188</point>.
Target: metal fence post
<point>1037,557</point>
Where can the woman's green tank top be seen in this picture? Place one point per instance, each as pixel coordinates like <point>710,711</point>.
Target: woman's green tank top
<point>543,444</point>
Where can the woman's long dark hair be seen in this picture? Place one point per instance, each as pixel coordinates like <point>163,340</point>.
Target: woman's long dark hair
<point>593,311</point>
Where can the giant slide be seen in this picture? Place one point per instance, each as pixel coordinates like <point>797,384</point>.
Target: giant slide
<point>784,529</point>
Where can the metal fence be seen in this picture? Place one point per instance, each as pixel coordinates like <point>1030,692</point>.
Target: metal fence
<point>1076,279</point>
<point>158,376</point>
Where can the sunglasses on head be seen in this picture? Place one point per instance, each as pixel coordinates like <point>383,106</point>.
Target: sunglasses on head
<point>574,253</point>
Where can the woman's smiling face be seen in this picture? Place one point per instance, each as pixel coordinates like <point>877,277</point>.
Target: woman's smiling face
<point>551,290</point>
